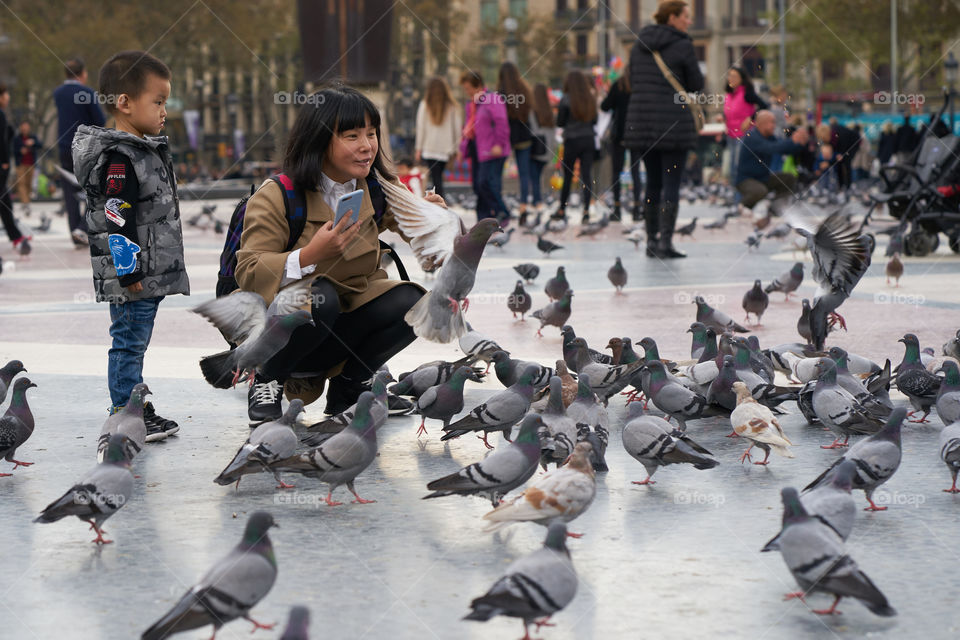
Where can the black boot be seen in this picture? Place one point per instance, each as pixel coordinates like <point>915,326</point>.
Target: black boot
<point>637,212</point>
<point>651,218</point>
<point>668,220</point>
<point>523,219</point>
<point>615,215</point>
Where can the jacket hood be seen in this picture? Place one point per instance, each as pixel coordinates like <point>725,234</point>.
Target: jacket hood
<point>657,37</point>
<point>91,142</point>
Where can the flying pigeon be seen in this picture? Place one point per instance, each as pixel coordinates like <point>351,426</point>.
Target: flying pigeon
<point>269,443</point>
<point>816,557</point>
<point>554,314</point>
<point>717,319</point>
<point>438,316</point>
<point>788,282</point>
<point>478,346</point>
<point>654,443</point>
<point>500,412</point>
<point>7,373</point>
<point>877,458</point>
<point>100,494</point>
<point>557,285</point>
<point>755,422</point>
<point>229,589</point>
<point>129,422</point>
<point>557,496</point>
<point>535,586</point>
<point>500,472</point>
<point>444,400</point>
<point>519,301</point>
<point>16,425</point>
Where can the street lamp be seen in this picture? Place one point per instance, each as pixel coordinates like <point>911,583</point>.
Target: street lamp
<point>950,71</point>
<point>510,24</point>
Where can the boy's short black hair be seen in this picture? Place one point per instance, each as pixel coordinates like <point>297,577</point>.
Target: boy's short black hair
<point>126,72</point>
<point>74,67</point>
<point>406,160</point>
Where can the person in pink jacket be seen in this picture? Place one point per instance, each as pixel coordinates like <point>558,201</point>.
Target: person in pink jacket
<point>486,141</point>
<point>740,104</point>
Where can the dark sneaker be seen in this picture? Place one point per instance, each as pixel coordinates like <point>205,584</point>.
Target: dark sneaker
<point>342,394</point>
<point>263,401</point>
<point>397,406</point>
<point>158,428</point>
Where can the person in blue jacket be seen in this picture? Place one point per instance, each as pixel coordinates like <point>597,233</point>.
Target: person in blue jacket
<point>755,179</point>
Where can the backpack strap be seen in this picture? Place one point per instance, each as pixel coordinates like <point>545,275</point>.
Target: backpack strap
<point>377,199</point>
<point>295,206</point>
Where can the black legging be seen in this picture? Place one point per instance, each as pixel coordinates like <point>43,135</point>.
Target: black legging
<point>6,208</point>
<point>619,153</point>
<point>366,337</point>
<point>436,174</point>
<point>581,149</point>
<point>664,170</point>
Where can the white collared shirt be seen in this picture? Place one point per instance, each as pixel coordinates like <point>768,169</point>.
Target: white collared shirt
<point>330,192</point>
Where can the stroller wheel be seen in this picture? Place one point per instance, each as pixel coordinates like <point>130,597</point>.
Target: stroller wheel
<point>920,242</point>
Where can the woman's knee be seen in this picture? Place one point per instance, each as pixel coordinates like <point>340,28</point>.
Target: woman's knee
<point>324,302</point>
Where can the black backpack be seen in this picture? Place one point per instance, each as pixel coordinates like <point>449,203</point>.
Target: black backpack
<point>296,212</point>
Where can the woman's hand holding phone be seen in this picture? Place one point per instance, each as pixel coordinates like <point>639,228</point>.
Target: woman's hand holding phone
<point>329,241</point>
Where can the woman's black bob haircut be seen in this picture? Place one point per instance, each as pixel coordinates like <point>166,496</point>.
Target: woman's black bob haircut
<point>331,110</point>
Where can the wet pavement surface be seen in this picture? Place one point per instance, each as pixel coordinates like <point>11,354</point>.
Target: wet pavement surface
<point>676,559</point>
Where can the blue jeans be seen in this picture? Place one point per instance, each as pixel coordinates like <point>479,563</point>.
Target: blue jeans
<point>491,186</point>
<point>536,173</point>
<point>523,172</point>
<point>131,325</point>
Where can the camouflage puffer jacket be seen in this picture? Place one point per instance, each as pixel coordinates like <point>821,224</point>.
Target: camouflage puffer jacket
<point>158,212</point>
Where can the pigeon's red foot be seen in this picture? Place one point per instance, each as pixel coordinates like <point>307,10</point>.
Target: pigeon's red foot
<point>360,500</point>
<point>17,463</point>
<point>746,455</point>
<point>799,595</point>
<point>873,507</point>
<point>5,475</point>
<point>543,622</point>
<point>574,535</point>
<point>284,485</point>
<point>100,539</point>
<point>422,431</point>
<point>258,625</point>
<point>485,443</point>
<point>836,318</point>
<point>331,502</point>
<point>952,489</point>
<point>732,434</point>
<point>539,334</point>
<point>465,304</point>
<point>829,612</point>
<point>836,444</point>
<point>647,481</point>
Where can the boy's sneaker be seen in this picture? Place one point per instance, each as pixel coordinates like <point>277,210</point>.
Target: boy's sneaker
<point>263,401</point>
<point>79,237</point>
<point>158,428</point>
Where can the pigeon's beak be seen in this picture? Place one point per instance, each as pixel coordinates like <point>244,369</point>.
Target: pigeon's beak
<point>32,384</point>
<point>902,340</point>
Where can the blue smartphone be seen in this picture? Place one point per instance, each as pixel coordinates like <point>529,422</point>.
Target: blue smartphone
<point>349,202</point>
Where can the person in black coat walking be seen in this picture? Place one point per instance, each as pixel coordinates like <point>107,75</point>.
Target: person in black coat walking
<point>618,101</point>
<point>6,159</point>
<point>577,115</point>
<point>659,125</point>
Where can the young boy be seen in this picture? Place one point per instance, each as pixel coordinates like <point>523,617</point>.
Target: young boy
<point>133,215</point>
<point>410,176</point>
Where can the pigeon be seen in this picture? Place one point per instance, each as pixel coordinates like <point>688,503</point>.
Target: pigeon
<point>298,626</point>
<point>528,271</point>
<point>717,224</point>
<point>755,422</point>
<point>342,457</point>
<point>760,362</point>
<point>831,503</point>
<point>950,452</point>
<point>379,412</point>
<point>500,412</point>
<point>560,430</point>
<point>877,458</point>
<point>535,586</point>
<point>438,316</point>
<point>546,246</point>
<point>229,589</point>
<point>500,472</point>
<point>519,301</point>
<point>598,437</point>
<point>499,239</point>
<point>780,231</point>
<point>604,379</point>
<point>698,342</point>
<point>444,400</point>
<point>854,385</point>
<point>803,323</point>
<point>7,374</point>
<point>570,351</point>
<point>433,229</point>
<point>635,237</point>
<point>557,496</point>
<point>569,386</point>
<point>478,346</point>
<point>414,383</point>
<point>16,425</point>
<point>816,557</point>
<point>948,398</point>
<point>721,393</point>
<point>717,319</point>
<point>100,494</point>
<point>894,269</point>
<point>654,443</point>
<point>554,314</point>
<point>673,398</point>
<point>508,370</point>
<point>585,409</point>
<point>913,379</point>
<point>767,394</point>
<point>617,275</point>
<point>951,347</point>
<point>753,240</point>
<point>260,332</point>
<point>687,229</point>
<point>841,256</point>
<point>838,409</point>
<point>129,422</point>
<point>755,301</point>
<point>557,285</point>
<point>269,443</point>
<point>788,282</point>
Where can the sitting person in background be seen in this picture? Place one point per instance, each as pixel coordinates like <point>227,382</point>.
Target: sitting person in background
<point>755,179</point>
<point>410,176</point>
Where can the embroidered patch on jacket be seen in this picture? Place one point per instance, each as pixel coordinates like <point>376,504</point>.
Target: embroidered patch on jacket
<point>124,252</point>
<point>116,175</point>
<point>114,210</point>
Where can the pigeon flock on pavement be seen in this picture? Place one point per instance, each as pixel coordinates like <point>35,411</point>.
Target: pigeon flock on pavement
<point>555,419</point>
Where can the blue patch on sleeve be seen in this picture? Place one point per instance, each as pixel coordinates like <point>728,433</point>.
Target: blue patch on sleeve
<point>124,253</point>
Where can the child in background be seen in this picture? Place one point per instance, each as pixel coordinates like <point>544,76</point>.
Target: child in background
<point>133,217</point>
<point>410,176</point>
<point>826,173</point>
